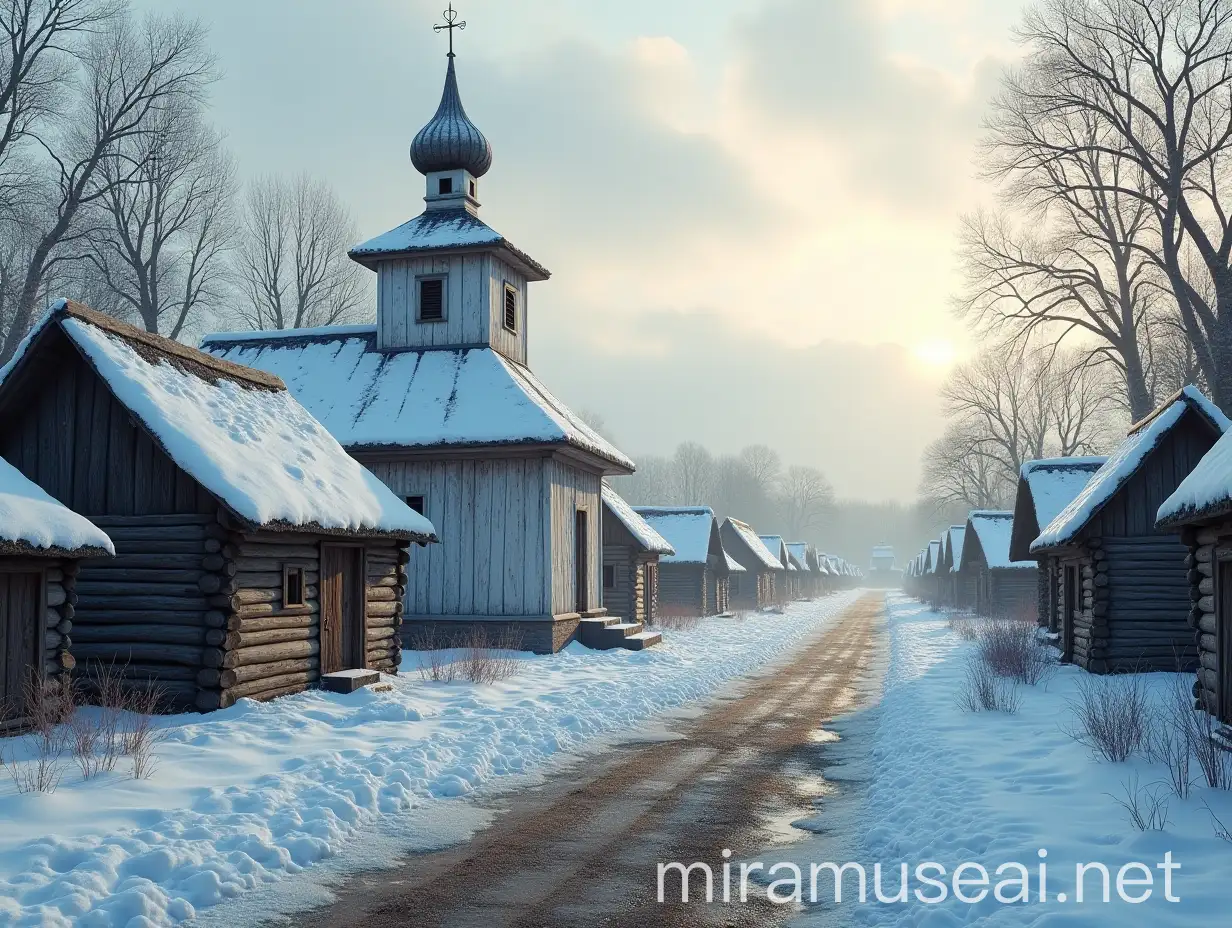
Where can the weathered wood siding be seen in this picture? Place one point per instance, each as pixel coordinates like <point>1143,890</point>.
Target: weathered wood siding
<point>1013,593</point>
<point>493,520</point>
<point>573,489</point>
<point>683,590</point>
<point>36,619</point>
<point>621,599</point>
<point>474,304</point>
<point>83,447</point>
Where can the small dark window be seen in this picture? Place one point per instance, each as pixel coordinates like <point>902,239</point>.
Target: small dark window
<point>609,576</point>
<point>444,185</point>
<point>431,299</point>
<point>292,586</point>
<point>416,503</point>
<point>511,308</point>
<point>472,188</point>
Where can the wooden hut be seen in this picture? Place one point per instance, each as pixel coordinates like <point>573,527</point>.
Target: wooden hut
<point>631,552</point>
<point>805,558</point>
<point>788,580</point>
<point>1003,588</point>
<point>438,399</point>
<point>956,589</point>
<point>41,546</point>
<point>1200,511</point>
<point>252,554</point>
<point>1045,487</point>
<point>932,574</point>
<point>1125,590</point>
<point>693,579</point>
<point>757,587</point>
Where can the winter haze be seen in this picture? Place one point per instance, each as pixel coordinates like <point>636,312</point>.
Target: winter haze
<point>748,208</point>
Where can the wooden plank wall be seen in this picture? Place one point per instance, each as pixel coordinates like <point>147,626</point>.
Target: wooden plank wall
<point>474,304</point>
<point>81,446</point>
<point>621,598</point>
<point>682,590</point>
<point>491,516</point>
<point>1014,593</point>
<point>572,489</point>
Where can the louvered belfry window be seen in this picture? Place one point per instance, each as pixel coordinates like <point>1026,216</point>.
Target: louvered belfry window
<point>431,299</point>
<point>511,308</point>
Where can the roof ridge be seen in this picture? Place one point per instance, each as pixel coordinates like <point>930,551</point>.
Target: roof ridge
<point>160,343</point>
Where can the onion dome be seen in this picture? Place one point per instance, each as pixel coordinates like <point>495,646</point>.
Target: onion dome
<point>450,141</point>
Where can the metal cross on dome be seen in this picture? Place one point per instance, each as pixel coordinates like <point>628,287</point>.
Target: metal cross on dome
<point>450,16</point>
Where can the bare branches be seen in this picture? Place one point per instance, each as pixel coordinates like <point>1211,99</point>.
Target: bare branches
<point>807,497</point>
<point>291,260</point>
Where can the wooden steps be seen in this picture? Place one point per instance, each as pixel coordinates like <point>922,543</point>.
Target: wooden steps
<point>607,632</point>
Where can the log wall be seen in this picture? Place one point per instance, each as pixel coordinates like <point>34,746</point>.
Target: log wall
<point>684,590</point>
<point>1207,548</point>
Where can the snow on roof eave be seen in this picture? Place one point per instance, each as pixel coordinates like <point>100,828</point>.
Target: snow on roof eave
<point>33,522</point>
<point>288,335</point>
<point>1143,438</point>
<point>106,345</point>
<point>753,543</point>
<point>650,540</point>
<point>989,526</point>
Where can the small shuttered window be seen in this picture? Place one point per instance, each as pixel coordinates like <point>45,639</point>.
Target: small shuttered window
<point>293,592</point>
<point>431,299</point>
<point>511,308</point>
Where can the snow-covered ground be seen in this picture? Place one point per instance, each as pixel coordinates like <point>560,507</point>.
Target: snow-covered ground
<point>252,794</point>
<point>928,782</point>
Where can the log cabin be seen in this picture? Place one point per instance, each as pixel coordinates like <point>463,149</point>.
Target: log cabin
<point>1004,588</point>
<point>252,554</point>
<point>693,579</point>
<point>1200,512</point>
<point>1045,487</point>
<point>788,579</point>
<point>805,559</point>
<point>438,399</point>
<point>631,552</point>
<point>932,574</point>
<point>1125,588</point>
<point>959,588</point>
<point>42,544</point>
<point>757,587</point>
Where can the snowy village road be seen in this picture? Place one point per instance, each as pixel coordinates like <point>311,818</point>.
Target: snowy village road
<point>583,850</point>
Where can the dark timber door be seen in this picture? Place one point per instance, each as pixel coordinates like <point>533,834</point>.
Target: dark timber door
<point>343,621</point>
<point>1223,640</point>
<point>19,631</point>
<point>581,552</point>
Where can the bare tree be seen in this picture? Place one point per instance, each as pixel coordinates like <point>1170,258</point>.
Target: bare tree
<point>959,470</point>
<point>126,74</point>
<point>1156,75</point>
<point>291,260</point>
<point>694,472</point>
<point>652,484</point>
<point>807,497</point>
<point>763,464</point>
<point>161,247</point>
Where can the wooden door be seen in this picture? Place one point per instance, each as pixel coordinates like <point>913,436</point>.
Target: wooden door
<point>1069,607</point>
<point>581,558</point>
<point>19,638</point>
<point>343,619</point>
<point>1223,640</point>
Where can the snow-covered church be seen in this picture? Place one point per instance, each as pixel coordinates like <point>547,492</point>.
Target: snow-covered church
<point>438,401</point>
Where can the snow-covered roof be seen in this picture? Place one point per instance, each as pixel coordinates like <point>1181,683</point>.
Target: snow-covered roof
<point>934,556</point>
<point>443,230</point>
<point>733,565</point>
<point>954,547</point>
<point>1045,487</point>
<point>1206,492</point>
<point>641,530</point>
<point>776,546</point>
<point>238,432</point>
<point>799,553</point>
<point>32,522</point>
<point>687,529</point>
<point>1142,439</point>
<point>423,398</point>
<point>992,529</point>
<point>754,545</point>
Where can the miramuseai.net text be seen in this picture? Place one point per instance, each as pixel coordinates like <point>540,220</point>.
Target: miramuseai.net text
<point>926,883</point>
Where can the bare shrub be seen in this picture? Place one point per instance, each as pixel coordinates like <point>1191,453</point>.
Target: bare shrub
<point>1146,806</point>
<point>1169,738</point>
<point>676,621</point>
<point>1214,761</point>
<point>489,657</point>
<point>985,691</point>
<point>433,664</point>
<point>1110,715</point>
<point>1221,830</point>
<point>41,709</point>
<point>138,733</point>
<point>964,626</point>
<point>1012,649</point>
<point>120,725</point>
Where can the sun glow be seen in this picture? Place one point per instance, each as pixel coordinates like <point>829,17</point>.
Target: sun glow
<point>936,352</point>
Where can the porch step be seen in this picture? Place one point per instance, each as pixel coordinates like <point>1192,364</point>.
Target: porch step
<point>348,681</point>
<point>609,632</point>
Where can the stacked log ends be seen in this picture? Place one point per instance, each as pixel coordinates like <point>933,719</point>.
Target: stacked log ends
<point>61,599</point>
<point>1202,616</point>
<point>386,590</point>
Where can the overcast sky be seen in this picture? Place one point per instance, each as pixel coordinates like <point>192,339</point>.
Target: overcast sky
<point>748,206</point>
